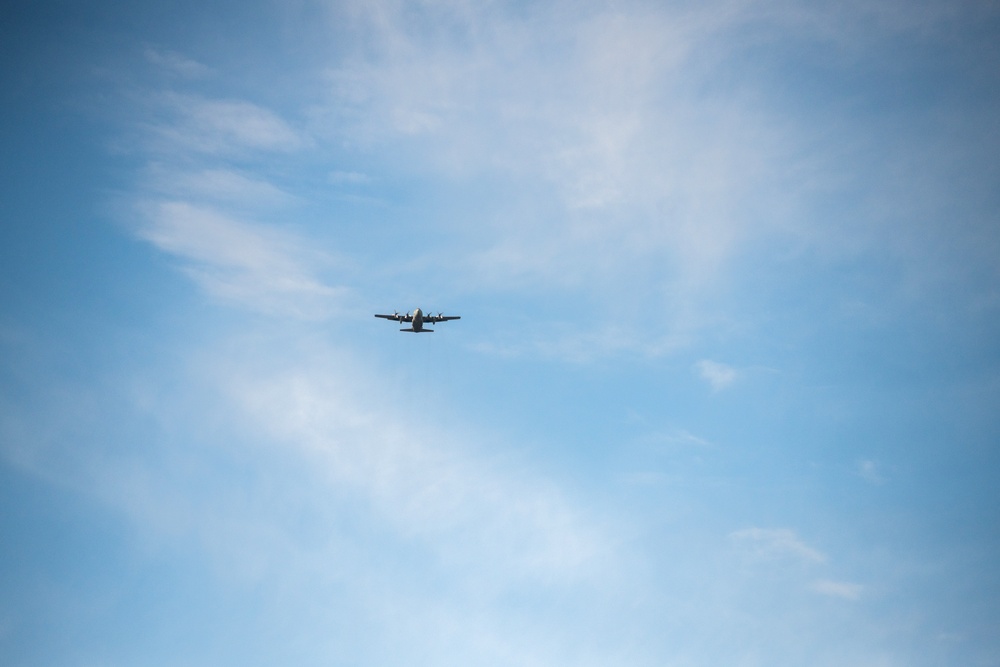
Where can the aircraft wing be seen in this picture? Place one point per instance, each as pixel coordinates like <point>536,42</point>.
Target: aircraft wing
<point>396,317</point>
<point>434,319</point>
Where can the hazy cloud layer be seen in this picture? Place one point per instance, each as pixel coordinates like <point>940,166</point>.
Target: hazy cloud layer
<point>643,154</point>
<point>426,483</point>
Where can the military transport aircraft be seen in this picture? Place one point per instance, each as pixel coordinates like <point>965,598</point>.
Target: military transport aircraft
<point>419,320</point>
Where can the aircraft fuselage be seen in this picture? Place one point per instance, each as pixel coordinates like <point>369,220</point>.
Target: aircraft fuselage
<point>418,321</point>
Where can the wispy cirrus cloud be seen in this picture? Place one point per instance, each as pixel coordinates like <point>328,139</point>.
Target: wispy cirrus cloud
<point>612,171</point>
<point>480,514</point>
<point>585,113</point>
<point>771,543</point>
<point>642,149</point>
<point>837,589</point>
<point>176,63</point>
<point>199,204</point>
<point>292,470</point>
<point>207,126</point>
<point>349,178</point>
<point>719,376</point>
<point>675,437</point>
<point>218,184</point>
<point>199,199</point>
<point>870,471</point>
<point>257,266</point>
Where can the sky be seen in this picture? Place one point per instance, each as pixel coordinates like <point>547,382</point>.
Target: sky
<point>725,389</point>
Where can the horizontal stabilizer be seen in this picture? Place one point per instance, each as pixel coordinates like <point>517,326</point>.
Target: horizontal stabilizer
<point>421,331</point>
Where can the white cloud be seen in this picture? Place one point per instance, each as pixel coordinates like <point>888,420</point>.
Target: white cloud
<point>837,589</point>
<point>641,478</point>
<point>176,63</point>
<point>718,375</point>
<point>220,185</point>
<point>220,127</point>
<point>243,123</point>
<point>289,468</point>
<point>769,543</point>
<point>870,471</point>
<point>649,155</point>
<point>617,173</point>
<point>632,177</point>
<point>349,178</point>
<point>674,437</point>
<point>484,515</point>
<point>257,266</point>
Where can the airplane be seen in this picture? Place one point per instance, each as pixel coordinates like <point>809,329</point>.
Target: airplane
<point>418,320</point>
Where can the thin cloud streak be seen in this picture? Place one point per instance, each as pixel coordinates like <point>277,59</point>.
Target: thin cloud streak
<point>235,188</point>
<point>177,64</point>
<point>674,438</point>
<point>837,589</point>
<point>771,543</point>
<point>254,265</point>
<point>218,127</point>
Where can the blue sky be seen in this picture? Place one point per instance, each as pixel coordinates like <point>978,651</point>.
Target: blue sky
<point>725,389</point>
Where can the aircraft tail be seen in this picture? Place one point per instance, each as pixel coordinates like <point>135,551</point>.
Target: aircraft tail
<point>411,329</point>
